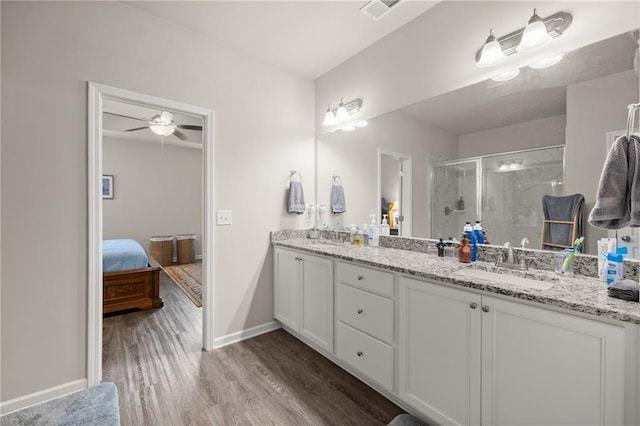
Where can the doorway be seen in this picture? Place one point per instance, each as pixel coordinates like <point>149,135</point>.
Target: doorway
<point>98,95</point>
<point>394,191</point>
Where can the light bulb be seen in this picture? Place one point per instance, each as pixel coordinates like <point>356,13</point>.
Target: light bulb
<point>349,128</point>
<point>341,112</point>
<point>491,52</point>
<point>535,34</point>
<point>329,118</point>
<point>162,129</point>
<point>362,123</point>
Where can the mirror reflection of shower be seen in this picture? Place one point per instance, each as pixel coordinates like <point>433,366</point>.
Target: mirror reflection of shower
<point>504,191</point>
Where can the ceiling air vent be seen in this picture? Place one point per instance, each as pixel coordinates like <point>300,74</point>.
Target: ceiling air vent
<point>376,9</point>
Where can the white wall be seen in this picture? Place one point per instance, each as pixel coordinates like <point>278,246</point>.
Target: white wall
<point>528,135</point>
<point>594,108</point>
<point>435,53</point>
<point>49,52</point>
<point>158,190</point>
<point>354,157</point>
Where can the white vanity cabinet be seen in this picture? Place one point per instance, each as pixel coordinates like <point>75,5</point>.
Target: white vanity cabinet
<point>303,295</point>
<point>365,321</point>
<point>471,359</point>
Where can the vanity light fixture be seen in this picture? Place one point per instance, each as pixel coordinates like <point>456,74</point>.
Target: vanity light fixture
<point>507,75</point>
<point>348,128</point>
<point>547,62</point>
<point>535,34</point>
<point>538,32</point>
<point>491,52</point>
<point>342,113</point>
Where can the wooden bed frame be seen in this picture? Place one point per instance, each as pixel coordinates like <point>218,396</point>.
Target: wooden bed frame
<point>134,289</point>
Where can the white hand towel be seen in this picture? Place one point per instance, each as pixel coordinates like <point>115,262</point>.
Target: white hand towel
<point>338,204</point>
<point>296,198</point>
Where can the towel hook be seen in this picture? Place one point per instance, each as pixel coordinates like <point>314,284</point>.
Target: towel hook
<point>631,118</point>
<point>337,179</point>
<point>293,173</point>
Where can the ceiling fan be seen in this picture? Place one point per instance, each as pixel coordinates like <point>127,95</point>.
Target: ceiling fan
<point>162,125</point>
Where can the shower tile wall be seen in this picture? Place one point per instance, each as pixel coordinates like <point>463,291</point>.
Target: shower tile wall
<point>450,182</point>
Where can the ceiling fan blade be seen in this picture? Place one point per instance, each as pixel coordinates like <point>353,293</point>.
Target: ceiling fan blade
<point>125,116</point>
<point>180,135</point>
<point>189,127</point>
<point>137,128</point>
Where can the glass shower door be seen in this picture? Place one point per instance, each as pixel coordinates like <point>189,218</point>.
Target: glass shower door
<point>456,186</point>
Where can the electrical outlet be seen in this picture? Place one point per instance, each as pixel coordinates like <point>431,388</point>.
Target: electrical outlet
<point>223,217</point>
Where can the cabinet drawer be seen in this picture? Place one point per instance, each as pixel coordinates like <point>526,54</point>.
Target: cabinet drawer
<point>370,356</point>
<point>365,311</point>
<point>365,278</point>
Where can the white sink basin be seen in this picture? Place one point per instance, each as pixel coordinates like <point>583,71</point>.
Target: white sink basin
<point>507,279</point>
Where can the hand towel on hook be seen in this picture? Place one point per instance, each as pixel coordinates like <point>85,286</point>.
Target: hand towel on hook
<point>338,204</point>
<point>296,198</point>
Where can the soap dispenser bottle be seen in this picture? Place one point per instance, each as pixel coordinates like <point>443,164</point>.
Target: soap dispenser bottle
<point>384,226</point>
<point>468,232</point>
<point>477,230</point>
<point>461,204</point>
<point>464,250</point>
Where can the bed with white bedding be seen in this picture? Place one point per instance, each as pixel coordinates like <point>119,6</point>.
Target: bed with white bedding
<point>129,281</point>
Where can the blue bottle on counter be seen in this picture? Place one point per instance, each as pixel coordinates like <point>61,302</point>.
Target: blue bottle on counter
<point>477,230</point>
<point>473,241</point>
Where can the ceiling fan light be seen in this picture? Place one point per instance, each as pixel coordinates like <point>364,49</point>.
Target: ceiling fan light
<point>162,129</point>
<point>491,52</point>
<point>329,118</point>
<point>535,34</point>
<point>547,62</point>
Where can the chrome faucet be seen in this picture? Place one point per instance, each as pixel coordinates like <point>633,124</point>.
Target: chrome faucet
<point>336,234</point>
<point>509,249</point>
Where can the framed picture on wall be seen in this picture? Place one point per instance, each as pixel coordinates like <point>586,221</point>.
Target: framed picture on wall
<point>107,187</point>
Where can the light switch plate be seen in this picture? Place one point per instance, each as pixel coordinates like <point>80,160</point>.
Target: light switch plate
<point>223,217</point>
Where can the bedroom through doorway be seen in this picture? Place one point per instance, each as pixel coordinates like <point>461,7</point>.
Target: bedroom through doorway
<point>151,233</point>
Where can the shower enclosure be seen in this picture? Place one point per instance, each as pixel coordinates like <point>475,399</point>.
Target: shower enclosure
<point>504,191</point>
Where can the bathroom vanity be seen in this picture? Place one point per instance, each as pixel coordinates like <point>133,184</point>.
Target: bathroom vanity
<point>456,347</point>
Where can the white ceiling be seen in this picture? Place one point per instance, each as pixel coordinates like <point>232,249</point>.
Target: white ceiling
<point>306,37</point>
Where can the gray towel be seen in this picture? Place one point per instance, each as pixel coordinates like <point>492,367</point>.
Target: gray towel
<point>338,204</point>
<point>296,198</point>
<point>562,208</point>
<point>625,290</point>
<point>618,197</point>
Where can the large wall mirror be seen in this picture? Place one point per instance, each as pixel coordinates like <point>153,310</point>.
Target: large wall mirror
<point>551,126</point>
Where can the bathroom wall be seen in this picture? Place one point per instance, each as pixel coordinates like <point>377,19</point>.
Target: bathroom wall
<point>539,133</point>
<point>354,157</point>
<point>158,190</point>
<point>590,116</point>
<point>49,52</point>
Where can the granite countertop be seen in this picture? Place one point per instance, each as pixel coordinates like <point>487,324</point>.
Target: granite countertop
<point>574,292</point>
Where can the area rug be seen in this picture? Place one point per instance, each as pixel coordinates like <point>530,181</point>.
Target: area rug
<point>188,278</point>
<point>93,406</point>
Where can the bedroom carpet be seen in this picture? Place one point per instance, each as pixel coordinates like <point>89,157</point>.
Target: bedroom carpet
<point>188,278</point>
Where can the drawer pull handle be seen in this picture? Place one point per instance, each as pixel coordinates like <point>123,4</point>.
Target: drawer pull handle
<point>360,311</point>
<point>360,278</point>
<point>485,308</point>
<point>473,305</point>
<point>360,353</point>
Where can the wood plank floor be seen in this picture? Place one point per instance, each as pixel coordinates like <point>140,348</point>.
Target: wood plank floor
<point>164,378</point>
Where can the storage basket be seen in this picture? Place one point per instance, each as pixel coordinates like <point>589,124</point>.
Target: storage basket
<point>161,249</point>
<point>186,246</point>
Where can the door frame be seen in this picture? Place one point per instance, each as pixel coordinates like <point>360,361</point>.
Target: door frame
<point>406,203</point>
<point>97,93</point>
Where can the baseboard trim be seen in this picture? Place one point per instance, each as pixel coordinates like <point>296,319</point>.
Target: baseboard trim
<point>248,333</point>
<point>25,401</point>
